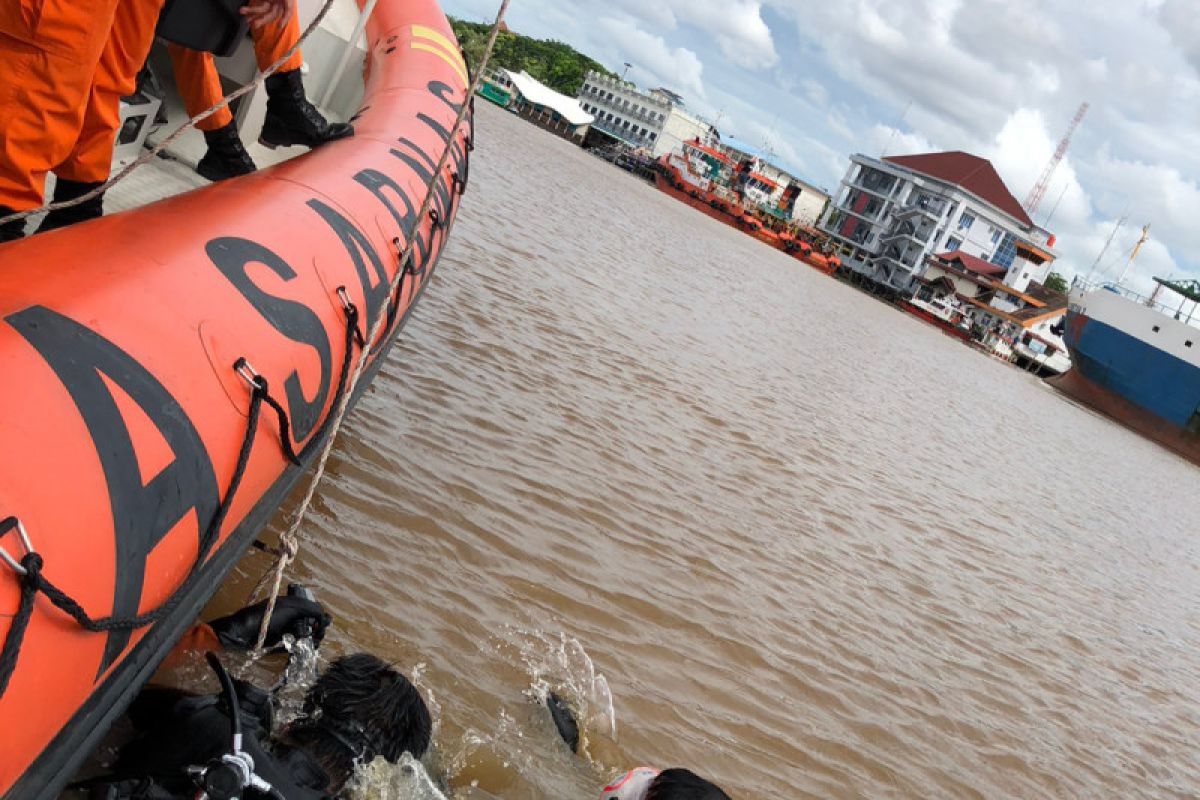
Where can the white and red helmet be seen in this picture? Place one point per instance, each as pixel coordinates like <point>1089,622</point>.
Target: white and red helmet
<point>630,786</point>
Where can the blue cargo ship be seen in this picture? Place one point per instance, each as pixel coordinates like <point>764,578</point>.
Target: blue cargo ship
<point>1137,359</point>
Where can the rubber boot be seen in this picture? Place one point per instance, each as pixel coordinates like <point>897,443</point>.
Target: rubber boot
<point>69,190</point>
<point>226,157</point>
<point>292,120</point>
<point>11,230</point>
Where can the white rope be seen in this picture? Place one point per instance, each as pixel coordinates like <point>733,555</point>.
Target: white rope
<point>170,140</point>
<point>289,541</point>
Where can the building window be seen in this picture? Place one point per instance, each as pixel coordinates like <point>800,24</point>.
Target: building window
<point>1006,253</point>
<point>653,136</point>
<point>996,235</point>
<point>965,221</point>
<point>953,243</point>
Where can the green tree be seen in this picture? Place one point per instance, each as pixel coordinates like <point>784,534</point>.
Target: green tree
<point>558,65</point>
<point>1055,282</point>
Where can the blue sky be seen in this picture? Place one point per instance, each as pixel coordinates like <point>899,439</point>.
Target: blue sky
<point>815,81</point>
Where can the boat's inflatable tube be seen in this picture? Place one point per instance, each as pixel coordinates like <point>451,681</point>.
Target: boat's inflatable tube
<point>122,414</point>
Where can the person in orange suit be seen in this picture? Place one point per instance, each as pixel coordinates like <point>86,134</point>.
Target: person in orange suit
<point>291,119</point>
<point>65,67</point>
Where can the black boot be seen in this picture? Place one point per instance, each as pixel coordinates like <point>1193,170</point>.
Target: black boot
<point>292,120</point>
<point>69,190</point>
<point>11,230</point>
<point>226,157</point>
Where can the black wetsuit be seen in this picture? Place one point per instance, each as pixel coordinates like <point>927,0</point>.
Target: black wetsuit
<point>177,731</point>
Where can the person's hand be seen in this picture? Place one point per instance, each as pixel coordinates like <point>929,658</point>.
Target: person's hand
<point>295,615</point>
<point>264,12</point>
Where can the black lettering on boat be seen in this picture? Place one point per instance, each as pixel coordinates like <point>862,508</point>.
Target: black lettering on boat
<point>141,514</point>
<point>357,247</point>
<point>445,93</point>
<point>232,255</point>
<point>380,185</point>
<point>423,166</point>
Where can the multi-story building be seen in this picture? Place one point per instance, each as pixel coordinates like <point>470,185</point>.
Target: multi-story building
<point>655,120</point>
<point>891,214</point>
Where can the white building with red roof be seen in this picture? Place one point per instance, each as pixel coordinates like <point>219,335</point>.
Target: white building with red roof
<point>891,214</point>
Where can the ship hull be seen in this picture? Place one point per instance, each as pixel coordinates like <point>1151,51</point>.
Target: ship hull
<point>1136,366</point>
<point>699,201</point>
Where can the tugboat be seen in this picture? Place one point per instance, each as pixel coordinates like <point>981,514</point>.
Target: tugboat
<point>708,181</point>
<point>174,368</point>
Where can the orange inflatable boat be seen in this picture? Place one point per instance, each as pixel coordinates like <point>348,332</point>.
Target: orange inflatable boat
<point>170,371</point>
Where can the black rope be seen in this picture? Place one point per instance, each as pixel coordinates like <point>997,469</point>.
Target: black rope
<point>285,428</point>
<point>33,581</point>
<point>353,335</point>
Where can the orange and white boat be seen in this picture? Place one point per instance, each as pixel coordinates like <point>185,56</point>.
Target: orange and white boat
<point>677,176</point>
<point>141,354</point>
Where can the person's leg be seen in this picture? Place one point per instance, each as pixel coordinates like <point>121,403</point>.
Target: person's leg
<point>87,165</point>
<point>199,87</point>
<point>48,54</point>
<point>291,119</point>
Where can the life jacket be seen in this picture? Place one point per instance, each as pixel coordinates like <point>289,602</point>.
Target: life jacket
<point>633,785</point>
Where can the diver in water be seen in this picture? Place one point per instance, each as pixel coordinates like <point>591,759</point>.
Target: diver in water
<point>227,746</point>
<point>642,783</point>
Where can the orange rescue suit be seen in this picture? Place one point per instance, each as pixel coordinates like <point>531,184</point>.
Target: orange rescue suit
<point>65,65</point>
<point>196,76</point>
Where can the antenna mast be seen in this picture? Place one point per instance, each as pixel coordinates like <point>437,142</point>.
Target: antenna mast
<point>1107,244</point>
<point>1134,252</point>
<point>1039,189</point>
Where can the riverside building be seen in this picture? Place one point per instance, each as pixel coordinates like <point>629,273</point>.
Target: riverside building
<point>655,120</point>
<point>891,214</point>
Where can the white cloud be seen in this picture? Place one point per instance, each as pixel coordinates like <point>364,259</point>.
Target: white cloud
<point>737,26</point>
<point>654,61</point>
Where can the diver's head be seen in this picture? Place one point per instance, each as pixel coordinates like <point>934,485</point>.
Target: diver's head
<point>646,783</point>
<point>683,784</point>
<point>358,709</point>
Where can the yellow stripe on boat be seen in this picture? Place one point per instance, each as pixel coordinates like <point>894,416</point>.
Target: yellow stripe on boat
<point>442,47</point>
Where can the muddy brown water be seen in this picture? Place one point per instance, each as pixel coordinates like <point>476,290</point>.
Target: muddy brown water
<point>816,548</point>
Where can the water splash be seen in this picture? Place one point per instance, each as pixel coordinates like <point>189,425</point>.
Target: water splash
<point>417,678</point>
<point>405,780</point>
<point>559,663</point>
<point>302,670</point>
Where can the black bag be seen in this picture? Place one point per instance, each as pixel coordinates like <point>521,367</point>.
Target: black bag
<point>215,26</point>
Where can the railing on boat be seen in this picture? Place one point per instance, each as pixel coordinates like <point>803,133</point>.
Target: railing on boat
<point>1175,312</point>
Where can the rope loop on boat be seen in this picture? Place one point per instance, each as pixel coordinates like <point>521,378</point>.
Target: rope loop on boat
<point>32,581</point>
<point>260,387</point>
<point>154,152</point>
<point>403,268</point>
<point>9,524</point>
<point>351,312</point>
